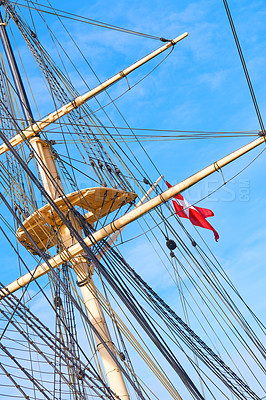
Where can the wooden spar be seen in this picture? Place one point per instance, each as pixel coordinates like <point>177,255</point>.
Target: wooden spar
<point>147,194</point>
<point>53,117</point>
<point>132,215</point>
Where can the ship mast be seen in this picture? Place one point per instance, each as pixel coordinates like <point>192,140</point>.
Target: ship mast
<point>82,268</point>
<point>48,169</point>
<point>54,188</point>
<point>70,225</point>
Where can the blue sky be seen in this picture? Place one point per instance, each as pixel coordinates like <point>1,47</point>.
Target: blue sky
<point>200,86</point>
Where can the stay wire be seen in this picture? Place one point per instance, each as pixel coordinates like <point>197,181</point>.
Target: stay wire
<point>252,93</point>
<point>79,18</point>
<point>230,133</point>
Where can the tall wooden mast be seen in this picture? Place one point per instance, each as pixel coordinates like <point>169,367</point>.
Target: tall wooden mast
<point>82,268</point>
<point>53,186</point>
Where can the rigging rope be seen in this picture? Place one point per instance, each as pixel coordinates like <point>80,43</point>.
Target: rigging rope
<point>191,339</point>
<point>79,18</point>
<point>53,342</point>
<point>243,62</point>
<point>73,230</point>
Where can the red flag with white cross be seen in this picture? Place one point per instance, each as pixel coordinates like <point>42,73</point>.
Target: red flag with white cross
<point>196,215</point>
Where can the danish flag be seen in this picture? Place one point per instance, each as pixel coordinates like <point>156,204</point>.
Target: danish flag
<point>196,215</point>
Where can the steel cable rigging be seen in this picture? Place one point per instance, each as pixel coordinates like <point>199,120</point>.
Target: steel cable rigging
<point>53,342</point>
<point>243,62</point>
<point>165,309</point>
<point>107,276</point>
<point>173,362</point>
<point>79,18</point>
